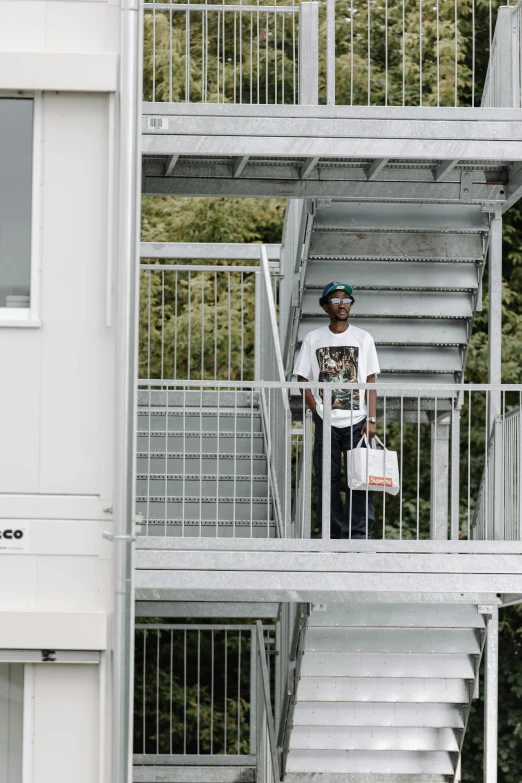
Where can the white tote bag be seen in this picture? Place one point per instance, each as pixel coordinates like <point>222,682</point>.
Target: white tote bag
<point>373,469</point>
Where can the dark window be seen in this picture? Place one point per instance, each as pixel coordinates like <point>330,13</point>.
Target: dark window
<point>16,153</point>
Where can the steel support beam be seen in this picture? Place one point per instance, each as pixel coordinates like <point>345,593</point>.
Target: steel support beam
<point>183,609</point>
<point>514,186</point>
<point>440,437</point>
<point>171,162</point>
<point>239,165</point>
<point>444,168</point>
<point>455,472</point>
<point>491,698</point>
<point>375,169</point>
<point>495,314</point>
<point>308,166</point>
<point>198,185</point>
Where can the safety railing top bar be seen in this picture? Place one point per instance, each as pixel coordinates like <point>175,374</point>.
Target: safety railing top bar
<point>358,53</point>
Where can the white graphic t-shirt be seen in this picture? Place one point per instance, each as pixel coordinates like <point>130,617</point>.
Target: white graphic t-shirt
<point>348,357</point>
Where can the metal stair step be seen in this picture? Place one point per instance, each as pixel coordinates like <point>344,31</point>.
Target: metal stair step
<point>401,331</point>
<point>384,689</point>
<point>410,738</point>
<point>194,462</point>
<point>203,484</point>
<point>364,761</point>
<point>398,616</point>
<point>378,714</point>
<point>208,421</point>
<point>209,528</point>
<point>226,508</point>
<point>340,664</point>
<point>346,245</point>
<point>208,442</point>
<point>420,359</point>
<point>355,777</point>
<point>443,218</point>
<point>404,304</point>
<point>181,399</point>
<point>393,640</point>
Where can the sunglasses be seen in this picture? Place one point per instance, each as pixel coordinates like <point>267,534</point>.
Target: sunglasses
<point>335,300</point>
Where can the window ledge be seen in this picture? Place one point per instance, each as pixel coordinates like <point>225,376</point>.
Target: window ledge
<point>30,323</point>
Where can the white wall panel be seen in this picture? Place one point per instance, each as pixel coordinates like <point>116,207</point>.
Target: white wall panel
<point>20,410</point>
<point>82,27</point>
<point>22,26</point>
<point>76,444</point>
<point>66,739</point>
<point>59,26</point>
<point>68,584</point>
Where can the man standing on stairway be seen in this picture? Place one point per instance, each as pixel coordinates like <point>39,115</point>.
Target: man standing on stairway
<point>341,353</point>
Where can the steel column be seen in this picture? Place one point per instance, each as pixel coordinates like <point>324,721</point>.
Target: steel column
<point>126,364</point>
<point>327,462</point>
<point>491,698</point>
<point>497,523</point>
<point>495,314</point>
<point>330,52</point>
<point>309,53</point>
<point>440,435</point>
<point>455,471</point>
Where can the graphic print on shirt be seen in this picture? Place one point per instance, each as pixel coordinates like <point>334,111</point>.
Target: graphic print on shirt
<point>340,363</point>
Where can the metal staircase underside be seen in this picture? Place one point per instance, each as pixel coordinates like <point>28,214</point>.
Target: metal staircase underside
<point>416,274</point>
<point>369,153</point>
<point>384,692</point>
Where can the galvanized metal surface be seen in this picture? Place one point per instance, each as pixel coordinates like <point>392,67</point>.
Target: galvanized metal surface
<point>365,712</point>
<point>181,774</point>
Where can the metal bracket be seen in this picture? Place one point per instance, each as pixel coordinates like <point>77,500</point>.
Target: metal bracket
<point>466,186</point>
<point>485,609</point>
<point>111,537</point>
<point>319,607</point>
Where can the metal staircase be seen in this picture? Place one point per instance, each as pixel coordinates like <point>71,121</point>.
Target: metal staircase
<point>384,692</point>
<point>202,465</point>
<point>416,273</point>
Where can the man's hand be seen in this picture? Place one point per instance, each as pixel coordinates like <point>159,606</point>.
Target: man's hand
<point>369,429</point>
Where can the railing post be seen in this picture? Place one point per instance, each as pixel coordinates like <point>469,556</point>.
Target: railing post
<point>253,692</point>
<point>495,315</point>
<point>309,53</point>
<point>257,336</point>
<point>491,698</point>
<point>440,434</point>
<point>327,463</point>
<point>307,466</point>
<point>330,52</point>
<point>455,470</point>
<point>498,481</point>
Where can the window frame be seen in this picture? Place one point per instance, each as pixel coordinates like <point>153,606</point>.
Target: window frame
<point>31,316</point>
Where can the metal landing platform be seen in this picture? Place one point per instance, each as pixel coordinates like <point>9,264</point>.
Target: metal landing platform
<point>315,571</point>
<point>371,153</point>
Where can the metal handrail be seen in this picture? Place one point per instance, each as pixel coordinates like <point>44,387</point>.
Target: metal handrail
<point>265,680</point>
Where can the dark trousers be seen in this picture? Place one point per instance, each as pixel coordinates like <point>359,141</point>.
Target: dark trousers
<point>361,502</point>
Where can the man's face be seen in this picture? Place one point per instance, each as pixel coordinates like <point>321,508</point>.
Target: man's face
<point>338,310</point>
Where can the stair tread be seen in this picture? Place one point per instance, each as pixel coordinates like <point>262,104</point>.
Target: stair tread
<point>398,761</point>
<point>397,640</point>
<point>379,714</point>
<point>372,664</point>
<point>409,738</point>
<point>398,616</point>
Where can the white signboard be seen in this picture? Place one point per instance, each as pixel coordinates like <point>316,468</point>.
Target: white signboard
<point>14,538</point>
